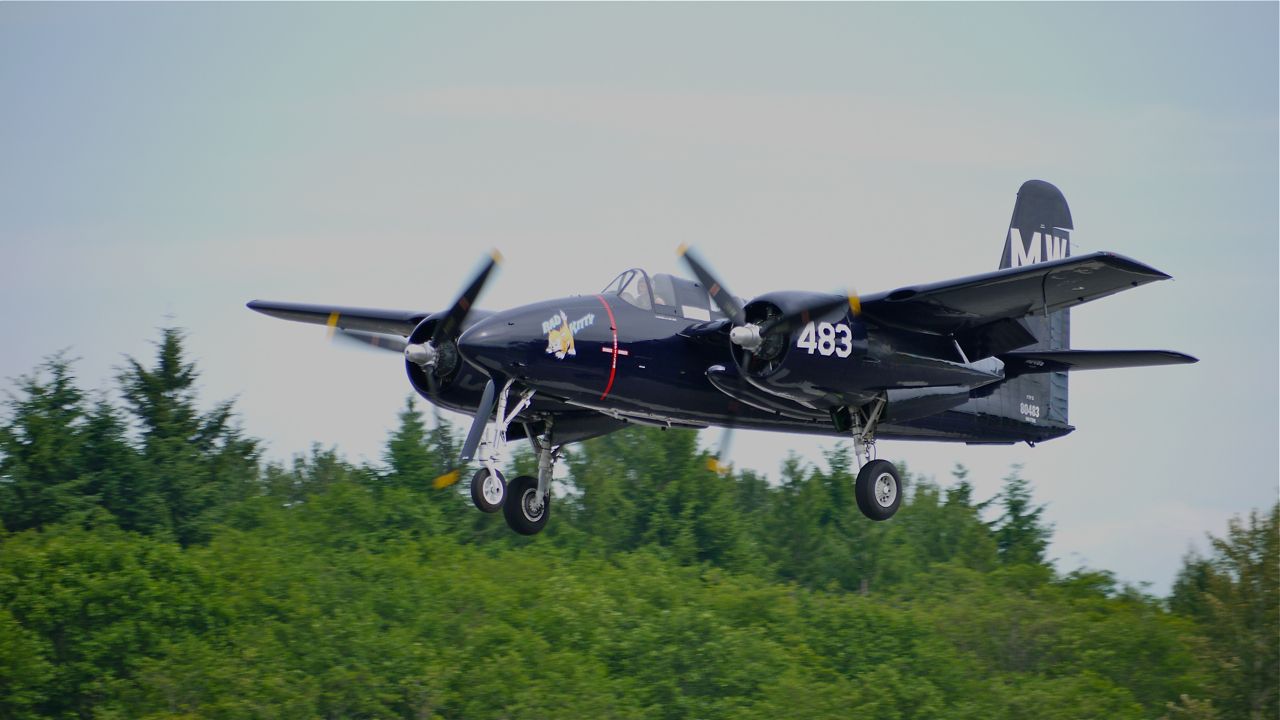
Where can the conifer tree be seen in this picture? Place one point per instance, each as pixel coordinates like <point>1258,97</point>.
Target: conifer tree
<point>1234,594</point>
<point>1021,535</point>
<point>198,463</point>
<point>40,450</point>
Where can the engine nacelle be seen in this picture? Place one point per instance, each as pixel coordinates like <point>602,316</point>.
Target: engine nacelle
<point>816,362</point>
<point>453,383</point>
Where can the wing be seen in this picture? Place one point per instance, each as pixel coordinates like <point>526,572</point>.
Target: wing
<point>992,299</point>
<point>390,322</point>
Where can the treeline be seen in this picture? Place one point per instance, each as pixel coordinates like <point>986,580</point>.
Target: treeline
<point>152,565</point>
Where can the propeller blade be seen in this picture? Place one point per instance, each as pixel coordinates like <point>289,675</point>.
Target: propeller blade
<point>446,479</point>
<point>799,318</point>
<point>719,464</point>
<point>720,295</point>
<point>481,419</point>
<point>366,340</point>
<point>451,324</point>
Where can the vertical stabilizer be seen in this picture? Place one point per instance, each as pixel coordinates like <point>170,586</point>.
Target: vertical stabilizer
<point>1039,230</point>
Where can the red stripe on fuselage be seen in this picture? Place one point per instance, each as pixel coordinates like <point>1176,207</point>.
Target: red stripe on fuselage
<point>613,327</point>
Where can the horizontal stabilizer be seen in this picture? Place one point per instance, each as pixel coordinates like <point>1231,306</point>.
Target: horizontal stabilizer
<point>1023,363</point>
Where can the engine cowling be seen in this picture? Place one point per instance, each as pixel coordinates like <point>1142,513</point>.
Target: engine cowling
<point>815,362</point>
<point>453,383</point>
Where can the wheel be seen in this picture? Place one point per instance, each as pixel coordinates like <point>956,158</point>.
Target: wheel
<point>878,489</point>
<point>524,514</point>
<point>488,491</point>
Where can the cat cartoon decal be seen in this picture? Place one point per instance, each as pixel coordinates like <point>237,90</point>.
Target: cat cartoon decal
<point>560,333</point>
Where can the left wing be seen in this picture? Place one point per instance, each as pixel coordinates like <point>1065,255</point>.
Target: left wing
<point>965,304</point>
<point>390,322</point>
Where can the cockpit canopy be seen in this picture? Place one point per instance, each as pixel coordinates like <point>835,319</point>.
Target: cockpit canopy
<point>664,294</point>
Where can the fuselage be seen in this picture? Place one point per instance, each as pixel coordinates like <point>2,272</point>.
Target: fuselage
<point>652,365</point>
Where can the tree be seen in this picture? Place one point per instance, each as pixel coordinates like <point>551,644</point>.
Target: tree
<point>1234,595</point>
<point>415,457</point>
<point>41,479</point>
<point>198,462</point>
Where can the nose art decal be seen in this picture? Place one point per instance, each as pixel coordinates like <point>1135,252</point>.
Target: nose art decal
<point>560,332</point>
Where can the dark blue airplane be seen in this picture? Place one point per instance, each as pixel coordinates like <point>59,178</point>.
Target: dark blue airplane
<point>982,359</point>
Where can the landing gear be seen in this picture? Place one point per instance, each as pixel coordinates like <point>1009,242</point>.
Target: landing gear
<point>526,509</point>
<point>878,490</point>
<point>525,501</point>
<point>878,487</point>
<point>488,490</point>
<point>529,499</point>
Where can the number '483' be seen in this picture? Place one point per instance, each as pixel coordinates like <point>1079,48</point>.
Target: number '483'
<point>826,339</point>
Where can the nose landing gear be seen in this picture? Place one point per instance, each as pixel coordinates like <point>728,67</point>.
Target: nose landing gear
<point>525,502</point>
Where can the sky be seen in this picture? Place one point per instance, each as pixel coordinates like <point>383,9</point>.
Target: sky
<point>163,164</point>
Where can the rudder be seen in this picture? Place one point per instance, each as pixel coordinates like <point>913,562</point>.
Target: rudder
<point>1039,230</point>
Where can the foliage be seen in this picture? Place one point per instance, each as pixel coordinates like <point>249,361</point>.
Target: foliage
<point>1234,594</point>
<point>152,566</point>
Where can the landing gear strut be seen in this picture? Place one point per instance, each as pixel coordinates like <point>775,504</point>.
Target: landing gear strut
<point>488,486</point>
<point>878,488</point>
<point>528,500</point>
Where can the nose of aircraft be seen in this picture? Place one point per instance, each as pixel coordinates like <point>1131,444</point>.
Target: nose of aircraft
<point>489,345</point>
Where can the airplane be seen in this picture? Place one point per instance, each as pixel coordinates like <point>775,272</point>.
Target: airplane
<point>982,359</point>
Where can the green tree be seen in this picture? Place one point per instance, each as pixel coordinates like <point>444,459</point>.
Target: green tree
<point>1234,595</point>
<point>1020,532</point>
<point>41,478</point>
<point>199,463</point>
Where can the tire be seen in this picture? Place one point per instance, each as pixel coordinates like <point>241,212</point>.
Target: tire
<point>488,492</point>
<point>518,506</point>
<point>878,489</point>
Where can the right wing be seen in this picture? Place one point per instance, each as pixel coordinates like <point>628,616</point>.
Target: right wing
<point>390,322</point>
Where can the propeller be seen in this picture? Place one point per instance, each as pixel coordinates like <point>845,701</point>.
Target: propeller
<point>719,463</point>
<point>367,340</point>
<point>427,354</point>
<point>750,336</point>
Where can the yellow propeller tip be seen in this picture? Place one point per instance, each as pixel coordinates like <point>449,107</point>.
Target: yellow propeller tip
<point>684,248</point>
<point>445,480</point>
<point>715,466</point>
<point>855,304</point>
<point>497,256</point>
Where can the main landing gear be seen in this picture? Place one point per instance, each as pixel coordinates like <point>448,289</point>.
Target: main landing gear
<point>878,487</point>
<point>525,502</point>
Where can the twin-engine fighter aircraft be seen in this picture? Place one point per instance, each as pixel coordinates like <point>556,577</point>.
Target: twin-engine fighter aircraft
<point>980,359</point>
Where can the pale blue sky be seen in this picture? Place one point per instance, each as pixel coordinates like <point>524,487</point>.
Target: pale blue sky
<point>182,159</point>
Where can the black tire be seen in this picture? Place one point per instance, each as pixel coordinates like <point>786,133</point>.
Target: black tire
<point>493,503</point>
<point>878,489</point>
<point>519,510</point>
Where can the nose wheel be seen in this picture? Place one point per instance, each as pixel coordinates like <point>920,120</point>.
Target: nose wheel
<point>525,502</point>
<point>488,490</point>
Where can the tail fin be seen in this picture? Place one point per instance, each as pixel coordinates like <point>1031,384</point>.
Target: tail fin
<point>1039,230</point>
